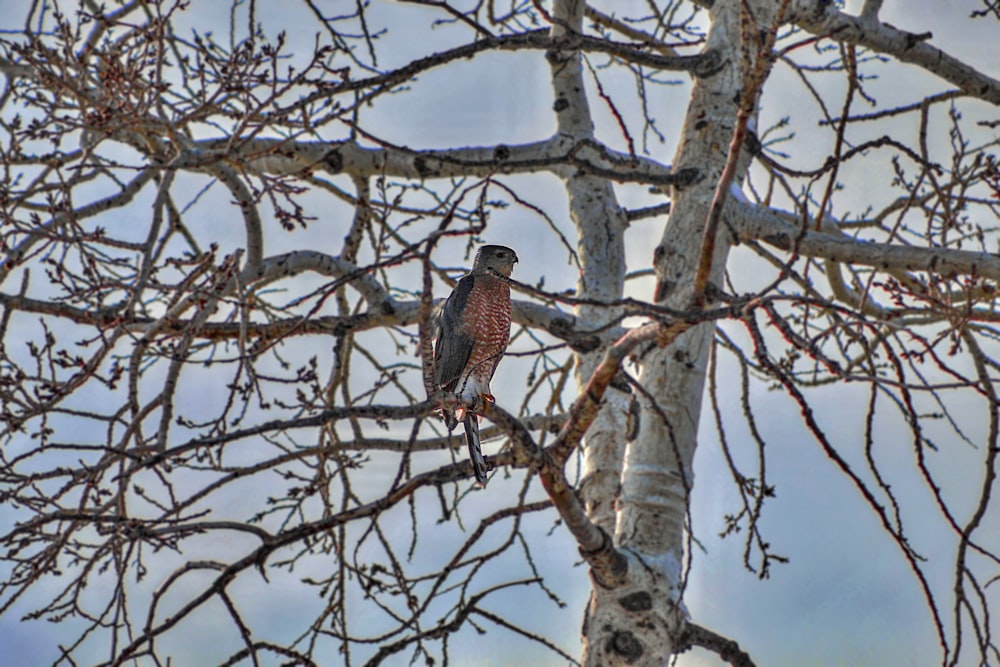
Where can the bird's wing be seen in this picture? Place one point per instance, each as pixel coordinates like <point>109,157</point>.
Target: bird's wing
<point>454,345</point>
<point>471,423</point>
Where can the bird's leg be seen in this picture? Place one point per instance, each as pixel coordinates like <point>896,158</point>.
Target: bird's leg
<point>452,411</point>
<point>481,403</point>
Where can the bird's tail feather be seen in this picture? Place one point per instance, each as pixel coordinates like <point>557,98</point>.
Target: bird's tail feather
<point>475,450</point>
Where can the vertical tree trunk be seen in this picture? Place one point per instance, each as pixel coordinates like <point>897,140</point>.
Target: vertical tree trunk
<point>635,625</point>
<point>600,224</point>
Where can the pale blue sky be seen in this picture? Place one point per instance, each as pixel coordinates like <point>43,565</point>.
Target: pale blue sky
<point>845,598</point>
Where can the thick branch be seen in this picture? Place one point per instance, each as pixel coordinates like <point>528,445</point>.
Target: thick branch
<point>727,649</point>
<point>382,313</point>
<point>285,156</point>
<point>825,20</point>
<point>782,230</point>
<point>301,261</point>
<point>535,40</point>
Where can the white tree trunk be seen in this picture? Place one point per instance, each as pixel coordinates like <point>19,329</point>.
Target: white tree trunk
<point>637,624</point>
<point>600,224</point>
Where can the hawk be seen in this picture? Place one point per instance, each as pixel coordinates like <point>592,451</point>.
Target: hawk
<point>473,333</point>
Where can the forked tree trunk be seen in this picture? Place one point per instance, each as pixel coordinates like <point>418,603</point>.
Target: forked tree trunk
<point>635,624</point>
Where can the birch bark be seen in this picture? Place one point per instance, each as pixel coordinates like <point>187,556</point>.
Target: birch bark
<point>636,624</point>
<point>600,224</point>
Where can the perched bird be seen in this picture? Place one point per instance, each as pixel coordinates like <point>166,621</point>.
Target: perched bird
<point>473,333</point>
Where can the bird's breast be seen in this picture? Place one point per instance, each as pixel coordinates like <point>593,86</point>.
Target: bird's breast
<point>487,318</point>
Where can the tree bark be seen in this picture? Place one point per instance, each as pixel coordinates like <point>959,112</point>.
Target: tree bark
<point>600,224</point>
<point>637,624</point>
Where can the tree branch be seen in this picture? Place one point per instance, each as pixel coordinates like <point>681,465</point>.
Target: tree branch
<point>782,230</point>
<point>727,649</point>
<point>287,156</point>
<point>823,19</point>
<point>539,40</point>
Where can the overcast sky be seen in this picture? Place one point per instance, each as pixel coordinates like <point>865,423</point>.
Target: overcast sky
<point>846,596</point>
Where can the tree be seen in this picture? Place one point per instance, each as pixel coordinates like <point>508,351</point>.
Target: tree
<point>222,252</point>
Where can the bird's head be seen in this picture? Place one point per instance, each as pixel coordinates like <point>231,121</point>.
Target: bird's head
<point>496,257</point>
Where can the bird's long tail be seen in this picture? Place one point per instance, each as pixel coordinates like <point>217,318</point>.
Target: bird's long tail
<point>471,423</point>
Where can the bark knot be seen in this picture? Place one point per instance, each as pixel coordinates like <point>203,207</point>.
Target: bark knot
<point>710,64</point>
<point>626,645</point>
<point>639,601</point>
<point>424,169</point>
<point>334,160</point>
<point>684,177</point>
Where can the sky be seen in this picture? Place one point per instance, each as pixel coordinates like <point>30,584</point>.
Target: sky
<point>845,597</point>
